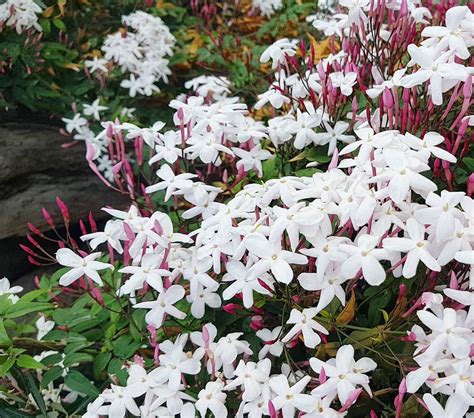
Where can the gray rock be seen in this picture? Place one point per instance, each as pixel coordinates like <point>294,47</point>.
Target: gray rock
<point>35,168</point>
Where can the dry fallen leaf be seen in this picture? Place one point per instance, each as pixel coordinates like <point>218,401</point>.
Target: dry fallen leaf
<point>347,314</point>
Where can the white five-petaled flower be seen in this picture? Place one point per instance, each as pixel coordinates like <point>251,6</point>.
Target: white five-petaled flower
<point>6,289</point>
<point>345,82</point>
<point>212,398</point>
<point>305,324</point>
<point>164,305</point>
<point>271,257</point>
<point>416,247</point>
<point>289,397</point>
<point>343,373</point>
<point>81,266</point>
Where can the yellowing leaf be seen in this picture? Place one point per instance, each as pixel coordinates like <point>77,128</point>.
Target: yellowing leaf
<point>48,11</point>
<point>327,350</point>
<point>160,4</point>
<point>367,338</point>
<point>72,66</point>
<point>322,48</point>
<point>61,4</point>
<point>196,41</point>
<point>347,314</point>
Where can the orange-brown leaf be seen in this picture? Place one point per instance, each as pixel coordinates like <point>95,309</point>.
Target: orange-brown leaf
<point>348,313</point>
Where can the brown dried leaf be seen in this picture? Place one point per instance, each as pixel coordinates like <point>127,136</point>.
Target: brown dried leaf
<point>348,313</point>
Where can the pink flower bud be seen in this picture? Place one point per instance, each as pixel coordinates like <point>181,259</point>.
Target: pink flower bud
<point>387,98</point>
<point>353,396</point>
<point>117,167</point>
<point>63,209</point>
<point>231,308</point>
<point>470,185</point>
<point>82,226</point>
<point>138,360</point>
<point>180,114</point>
<point>205,336</point>
<point>453,281</point>
<point>128,231</point>
<point>322,376</point>
<point>92,223</point>
<point>31,260</point>
<point>334,160</point>
<point>48,218</point>
<point>256,323</point>
<point>35,230</point>
<point>28,250</point>
<point>467,88</point>
<point>272,410</point>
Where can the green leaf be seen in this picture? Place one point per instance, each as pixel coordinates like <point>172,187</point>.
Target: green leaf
<point>469,162</point>
<point>6,365</point>
<point>59,24</point>
<point>37,396</point>
<point>101,362</point>
<point>74,358</point>
<point>78,382</point>
<point>51,375</point>
<point>27,362</point>
<point>25,308</point>
<point>4,338</point>
<point>125,346</point>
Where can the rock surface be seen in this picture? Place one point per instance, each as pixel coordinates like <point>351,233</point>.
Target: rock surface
<point>34,169</point>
